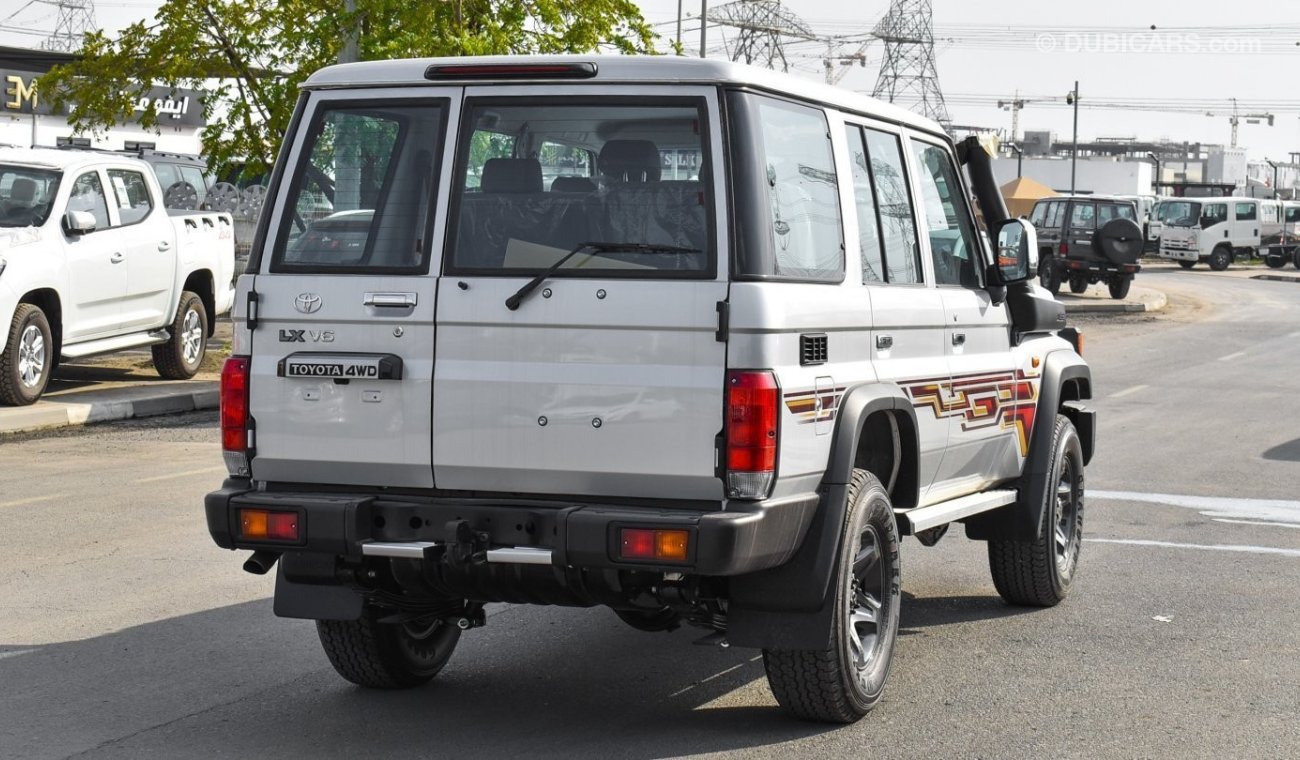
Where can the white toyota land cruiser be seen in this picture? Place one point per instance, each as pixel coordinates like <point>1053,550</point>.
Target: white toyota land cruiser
<point>689,340</point>
<point>91,262</point>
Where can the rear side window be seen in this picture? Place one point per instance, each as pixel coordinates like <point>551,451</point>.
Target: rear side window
<point>538,178</point>
<point>131,193</point>
<point>1039,215</point>
<point>897,219</point>
<point>868,210</point>
<point>360,199</point>
<point>1245,212</point>
<point>1054,214</point>
<point>801,190</point>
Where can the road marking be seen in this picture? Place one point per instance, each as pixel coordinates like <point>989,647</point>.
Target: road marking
<point>186,474</point>
<point>715,675</point>
<point>1266,510</point>
<point>15,653</point>
<point>1258,522</point>
<point>1205,547</point>
<point>33,500</point>
<point>1129,391</point>
<point>1230,357</point>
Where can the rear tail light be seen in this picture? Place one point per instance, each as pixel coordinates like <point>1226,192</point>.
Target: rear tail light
<point>268,525</point>
<point>1064,250</point>
<point>753,404</point>
<point>235,428</point>
<point>654,545</point>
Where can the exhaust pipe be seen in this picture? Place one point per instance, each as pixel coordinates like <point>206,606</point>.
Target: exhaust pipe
<point>260,562</point>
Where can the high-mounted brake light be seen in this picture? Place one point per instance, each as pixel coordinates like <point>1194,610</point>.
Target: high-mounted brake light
<point>511,71</point>
<point>235,442</point>
<point>753,412</point>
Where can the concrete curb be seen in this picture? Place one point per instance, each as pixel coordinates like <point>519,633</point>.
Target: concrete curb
<point>1151,300</point>
<point>89,407</point>
<point>1275,277</point>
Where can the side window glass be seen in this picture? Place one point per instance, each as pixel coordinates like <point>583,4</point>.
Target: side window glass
<point>898,224</point>
<point>801,191</point>
<point>953,245</point>
<point>864,201</point>
<point>1039,215</point>
<point>193,176</point>
<point>132,195</point>
<point>1054,218</point>
<point>1245,212</point>
<point>1083,217</point>
<point>88,196</point>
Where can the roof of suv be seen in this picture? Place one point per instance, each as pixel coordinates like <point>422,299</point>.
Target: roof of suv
<point>621,68</point>
<point>60,158</point>
<point>1106,198</point>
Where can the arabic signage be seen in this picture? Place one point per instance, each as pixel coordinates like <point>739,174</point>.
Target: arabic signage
<point>183,108</point>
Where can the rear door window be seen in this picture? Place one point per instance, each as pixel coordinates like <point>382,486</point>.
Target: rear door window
<point>868,210</point>
<point>897,214</point>
<point>1083,216</point>
<point>131,193</point>
<point>538,178</point>
<point>1108,211</point>
<point>361,196</point>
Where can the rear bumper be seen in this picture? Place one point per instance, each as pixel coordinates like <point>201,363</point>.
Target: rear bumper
<point>741,538</point>
<point>1096,266</point>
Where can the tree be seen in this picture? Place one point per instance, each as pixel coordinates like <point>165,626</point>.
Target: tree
<point>251,56</point>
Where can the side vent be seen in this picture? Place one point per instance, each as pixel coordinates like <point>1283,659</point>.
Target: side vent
<point>812,349</point>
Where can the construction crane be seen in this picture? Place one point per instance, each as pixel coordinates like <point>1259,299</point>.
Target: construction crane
<point>838,63</point>
<point>1250,118</point>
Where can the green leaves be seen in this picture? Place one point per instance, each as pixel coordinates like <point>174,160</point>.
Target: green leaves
<point>250,56</point>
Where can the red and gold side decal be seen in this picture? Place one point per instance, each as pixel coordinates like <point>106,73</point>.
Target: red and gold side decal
<point>814,406</point>
<point>1006,400</point>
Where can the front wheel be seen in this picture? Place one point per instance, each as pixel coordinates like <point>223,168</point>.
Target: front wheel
<point>387,655</point>
<point>28,357</point>
<point>843,683</point>
<point>1220,259</point>
<point>1119,288</point>
<point>1038,573</point>
<point>179,358</point>
<point>1185,264</point>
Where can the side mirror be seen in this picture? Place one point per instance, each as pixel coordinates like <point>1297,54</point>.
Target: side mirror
<point>79,222</point>
<point>1015,251</point>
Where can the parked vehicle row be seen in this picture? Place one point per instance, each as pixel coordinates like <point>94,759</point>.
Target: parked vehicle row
<point>91,262</point>
<point>1087,239</point>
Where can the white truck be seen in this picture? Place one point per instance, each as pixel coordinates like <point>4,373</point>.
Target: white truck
<point>1217,230</point>
<point>91,263</point>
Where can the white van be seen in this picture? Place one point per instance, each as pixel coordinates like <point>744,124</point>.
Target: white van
<point>689,340</point>
<point>1217,230</point>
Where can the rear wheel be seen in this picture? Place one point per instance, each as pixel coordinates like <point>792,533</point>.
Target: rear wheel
<point>1275,262</point>
<point>1048,277</point>
<point>387,655</point>
<point>1038,573</point>
<point>1119,288</point>
<point>1220,259</point>
<point>1295,258</point>
<point>28,358</point>
<point>179,358</point>
<point>1186,264</point>
<point>1078,283</point>
<point>843,683</point>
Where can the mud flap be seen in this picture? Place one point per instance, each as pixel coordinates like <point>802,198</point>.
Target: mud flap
<point>315,602</point>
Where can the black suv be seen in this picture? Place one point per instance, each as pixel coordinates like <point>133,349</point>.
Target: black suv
<point>1085,240</point>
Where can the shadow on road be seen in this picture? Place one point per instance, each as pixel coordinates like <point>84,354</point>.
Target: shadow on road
<point>1286,452</point>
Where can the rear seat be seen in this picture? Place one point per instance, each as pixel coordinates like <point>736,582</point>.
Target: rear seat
<point>511,204</point>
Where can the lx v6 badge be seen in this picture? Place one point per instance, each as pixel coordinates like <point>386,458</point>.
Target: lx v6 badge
<point>306,336</point>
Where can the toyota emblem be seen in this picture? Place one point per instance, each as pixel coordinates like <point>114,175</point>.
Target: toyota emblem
<point>307,303</point>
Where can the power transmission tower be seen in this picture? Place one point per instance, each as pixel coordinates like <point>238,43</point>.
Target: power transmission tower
<point>76,17</point>
<point>763,25</point>
<point>908,75</point>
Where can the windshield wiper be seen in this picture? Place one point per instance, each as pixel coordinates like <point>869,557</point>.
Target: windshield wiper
<point>512,303</point>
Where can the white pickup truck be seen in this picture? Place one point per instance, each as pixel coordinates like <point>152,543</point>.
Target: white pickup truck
<point>91,263</point>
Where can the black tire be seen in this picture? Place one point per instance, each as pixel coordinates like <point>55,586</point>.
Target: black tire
<point>387,655</point>
<point>28,357</point>
<point>1048,276</point>
<point>843,683</point>
<point>1078,283</point>
<point>1220,258</point>
<point>1039,573</point>
<point>1295,259</point>
<point>182,355</point>
<point>1119,288</point>
<point>1186,264</point>
<point>1275,262</point>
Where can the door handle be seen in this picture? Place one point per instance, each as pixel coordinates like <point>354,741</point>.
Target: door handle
<point>164,246</point>
<point>959,339</point>
<point>390,300</point>
<point>884,342</point>
<point>116,258</point>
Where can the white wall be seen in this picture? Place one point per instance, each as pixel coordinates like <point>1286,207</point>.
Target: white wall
<point>1102,177</point>
<point>16,129</point>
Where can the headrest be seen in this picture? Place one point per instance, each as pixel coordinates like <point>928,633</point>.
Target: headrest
<point>630,161</point>
<point>511,175</point>
<point>23,190</point>
<point>572,185</point>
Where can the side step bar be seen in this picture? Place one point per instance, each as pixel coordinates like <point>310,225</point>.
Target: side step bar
<point>924,518</point>
<point>511,555</point>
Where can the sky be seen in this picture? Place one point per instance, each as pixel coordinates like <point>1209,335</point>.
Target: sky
<point>1197,58</point>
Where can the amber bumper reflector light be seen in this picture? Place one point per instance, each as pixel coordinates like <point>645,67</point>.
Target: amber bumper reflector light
<point>268,525</point>
<point>654,545</point>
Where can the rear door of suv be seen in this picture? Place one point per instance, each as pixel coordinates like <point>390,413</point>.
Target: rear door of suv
<point>343,349</point>
<point>607,378</point>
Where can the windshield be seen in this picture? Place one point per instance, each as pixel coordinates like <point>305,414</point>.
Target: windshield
<point>537,178</point>
<point>1181,213</point>
<point>26,195</point>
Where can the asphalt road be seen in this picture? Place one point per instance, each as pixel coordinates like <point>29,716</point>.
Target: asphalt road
<point>124,633</point>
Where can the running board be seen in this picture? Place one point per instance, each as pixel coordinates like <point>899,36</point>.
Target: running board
<point>510,555</point>
<point>924,518</point>
<point>116,343</point>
